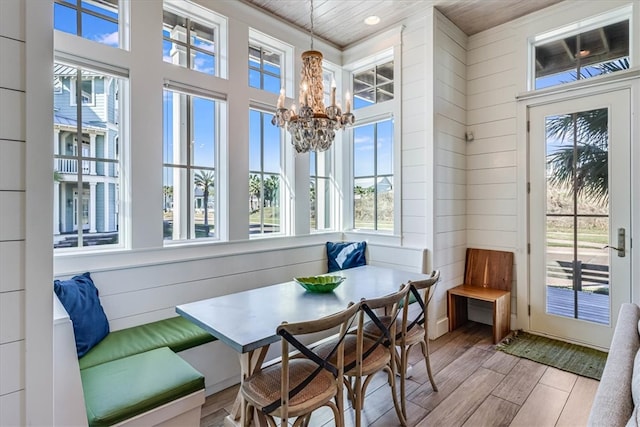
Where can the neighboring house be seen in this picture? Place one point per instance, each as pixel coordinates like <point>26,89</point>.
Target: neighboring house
<point>92,205</point>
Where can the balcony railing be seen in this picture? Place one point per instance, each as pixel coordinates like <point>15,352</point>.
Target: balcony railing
<point>71,166</point>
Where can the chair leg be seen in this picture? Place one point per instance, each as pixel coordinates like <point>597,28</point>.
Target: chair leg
<point>248,414</point>
<point>357,400</point>
<point>404,353</point>
<point>394,395</point>
<point>425,352</point>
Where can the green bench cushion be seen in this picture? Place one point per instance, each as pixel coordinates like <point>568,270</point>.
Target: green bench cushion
<point>177,333</point>
<point>121,389</point>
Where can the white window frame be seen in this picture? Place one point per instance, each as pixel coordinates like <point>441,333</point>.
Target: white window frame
<point>123,17</point>
<point>286,202</point>
<point>220,115</point>
<point>592,23</point>
<point>390,109</point>
<point>258,38</point>
<point>329,156</point>
<point>122,184</point>
<point>217,22</point>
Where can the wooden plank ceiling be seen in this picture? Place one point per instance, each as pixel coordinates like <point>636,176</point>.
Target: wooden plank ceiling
<point>341,22</point>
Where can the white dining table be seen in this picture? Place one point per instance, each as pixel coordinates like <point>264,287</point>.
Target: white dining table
<point>246,321</point>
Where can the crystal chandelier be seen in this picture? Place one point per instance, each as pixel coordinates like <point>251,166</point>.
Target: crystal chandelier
<point>313,127</point>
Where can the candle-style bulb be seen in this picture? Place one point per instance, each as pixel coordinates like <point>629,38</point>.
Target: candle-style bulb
<point>347,103</point>
<point>281,99</point>
<point>333,92</point>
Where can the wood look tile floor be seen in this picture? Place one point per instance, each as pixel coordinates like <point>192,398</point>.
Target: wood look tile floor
<point>478,386</point>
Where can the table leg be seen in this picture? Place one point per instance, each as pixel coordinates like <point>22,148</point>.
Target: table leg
<point>250,363</point>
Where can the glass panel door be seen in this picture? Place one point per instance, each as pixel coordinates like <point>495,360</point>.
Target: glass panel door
<point>579,204</point>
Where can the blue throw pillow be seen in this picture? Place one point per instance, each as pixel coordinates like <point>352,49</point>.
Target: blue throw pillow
<point>79,296</point>
<point>343,255</point>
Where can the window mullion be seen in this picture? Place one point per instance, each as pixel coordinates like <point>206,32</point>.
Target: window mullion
<point>375,176</point>
<point>79,159</point>
<point>189,190</point>
<point>188,43</point>
<point>79,20</point>
<point>262,170</point>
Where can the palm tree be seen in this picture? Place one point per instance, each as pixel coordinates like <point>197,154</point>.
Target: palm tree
<point>205,181</point>
<point>583,167</point>
<point>255,189</point>
<point>271,186</point>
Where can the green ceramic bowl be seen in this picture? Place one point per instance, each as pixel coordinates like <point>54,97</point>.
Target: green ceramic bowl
<point>319,284</point>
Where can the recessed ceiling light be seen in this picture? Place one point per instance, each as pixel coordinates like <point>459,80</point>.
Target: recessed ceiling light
<point>372,20</point>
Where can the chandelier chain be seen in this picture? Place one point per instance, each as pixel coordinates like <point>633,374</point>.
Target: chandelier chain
<point>311,16</point>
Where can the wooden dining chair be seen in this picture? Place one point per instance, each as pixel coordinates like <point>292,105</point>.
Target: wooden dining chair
<point>364,357</point>
<point>303,380</point>
<point>411,331</point>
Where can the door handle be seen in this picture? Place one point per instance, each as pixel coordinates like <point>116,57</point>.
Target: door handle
<point>621,243</point>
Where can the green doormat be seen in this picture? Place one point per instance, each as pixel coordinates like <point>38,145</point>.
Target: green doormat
<point>580,360</point>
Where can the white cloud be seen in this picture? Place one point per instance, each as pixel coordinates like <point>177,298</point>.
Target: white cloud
<point>200,64</point>
<point>110,39</point>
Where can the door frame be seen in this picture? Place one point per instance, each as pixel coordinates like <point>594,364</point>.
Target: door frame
<point>625,80</point>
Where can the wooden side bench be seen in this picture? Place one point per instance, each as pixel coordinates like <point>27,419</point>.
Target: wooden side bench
<point>487,277</point>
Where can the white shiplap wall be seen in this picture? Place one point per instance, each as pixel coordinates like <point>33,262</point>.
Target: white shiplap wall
<point>449,198</point>
<point>12,202</point>
<point>417,182</point>
<point>491,192</point>
<point>433,150</point>
<point>491,157</point>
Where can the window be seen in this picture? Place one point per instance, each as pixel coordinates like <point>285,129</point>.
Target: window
<point>189,175</point>
<point>86,160</point>
<point>563,56</point>
<point>373,196</point>
<point>95,20</point>
<point>265,174</point>
<point>265,70</point>
<point>373,85</point>
<point>57,84</point>
<point>320,191</point>
<point>86,91</point>
<point>270,63</point>
<point>191,42</point>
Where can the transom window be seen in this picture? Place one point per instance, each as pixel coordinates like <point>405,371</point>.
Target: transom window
<point>189,42</point>
<point>373,199</point>
<point>265,174</point>
<point>265,68</point>
<point>373,85</point>
<point>190,206</point>
<point>565,56</point>
<point>95,20</point>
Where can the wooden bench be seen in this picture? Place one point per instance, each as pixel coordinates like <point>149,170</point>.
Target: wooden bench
<point>487,277</point>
